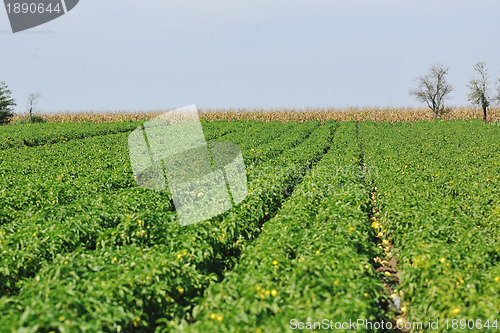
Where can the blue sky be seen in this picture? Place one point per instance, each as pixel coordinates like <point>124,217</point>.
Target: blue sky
<point>149,55</point>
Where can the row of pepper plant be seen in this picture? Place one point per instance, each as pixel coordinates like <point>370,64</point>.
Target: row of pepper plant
<point>145,257</point>
<point>437,195</point>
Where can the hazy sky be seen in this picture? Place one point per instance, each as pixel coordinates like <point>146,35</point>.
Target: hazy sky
<point>141,55</point>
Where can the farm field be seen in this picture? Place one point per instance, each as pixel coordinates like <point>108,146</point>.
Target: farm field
<point>342,220</point>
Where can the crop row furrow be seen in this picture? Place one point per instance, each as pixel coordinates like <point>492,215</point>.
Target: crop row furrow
<point>162,277</point>
<point>49,227</point>
<point>438,193</point>
<point>312,260</point>
<point>40,179</point>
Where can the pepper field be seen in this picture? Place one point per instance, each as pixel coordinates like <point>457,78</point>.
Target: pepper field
<point>372,221</point>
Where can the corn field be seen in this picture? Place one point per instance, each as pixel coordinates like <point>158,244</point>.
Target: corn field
<point>266,115</point>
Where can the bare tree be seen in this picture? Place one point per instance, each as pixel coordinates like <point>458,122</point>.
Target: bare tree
<point>479,91</point>
<point>32,100</point>
<point>497,98</point>
<point>433,89</point>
